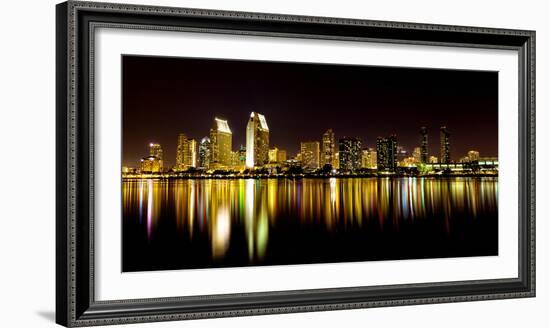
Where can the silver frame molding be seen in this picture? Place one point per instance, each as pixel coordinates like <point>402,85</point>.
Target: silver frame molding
<point>77,22</point>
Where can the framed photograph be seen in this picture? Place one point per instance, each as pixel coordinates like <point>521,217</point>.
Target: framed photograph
<point>215,163</point>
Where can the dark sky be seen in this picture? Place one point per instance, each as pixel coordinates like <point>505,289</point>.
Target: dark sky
<point>163,97</point>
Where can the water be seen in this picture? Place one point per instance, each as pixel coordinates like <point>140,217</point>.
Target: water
<point>202,223</point>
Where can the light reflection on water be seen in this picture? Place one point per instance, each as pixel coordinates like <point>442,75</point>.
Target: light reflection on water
<point>219,210</point>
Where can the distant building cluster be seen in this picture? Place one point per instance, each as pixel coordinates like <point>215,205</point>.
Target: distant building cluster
<point>347,155</point>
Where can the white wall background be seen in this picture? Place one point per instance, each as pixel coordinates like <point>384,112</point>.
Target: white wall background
<point>27,134</point>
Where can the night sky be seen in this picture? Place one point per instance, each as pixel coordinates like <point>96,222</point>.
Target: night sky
<point>163,97</point>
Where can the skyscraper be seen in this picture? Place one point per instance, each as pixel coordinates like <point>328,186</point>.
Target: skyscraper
<point>444,145</point>
<point>204,153</point>
<point>273,155</point>
<point>327,155</point>
<point>221,139</point>
<point>386,153</point>
<point>155,150</point>
<point>473,155</point>
<point>417,155</point>
<point>350,153</point>
<point>309,152</point>
<point>368,161</point>
<point>186,153</point>
<point>257,141</point>
<point>423,145</point>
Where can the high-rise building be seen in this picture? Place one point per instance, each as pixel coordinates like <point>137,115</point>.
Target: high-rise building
<point>257,141</point>
<point>328,149</point>
<point>402,153</point>
<point>386,153</point>
<point>277,155</point>
<point>273,155</point>
<point>417,155</point>
<point>150,164</point>
<point>242,155</point>
<point>204,153</point>
<point>423,145</point>
<point>221,143</point>
<point>281,156</point>
<point>309,152</point>
<point>473,155</point>
<point>192,155</point>
<point>155,150</point>
<point>350,152</point>
<point>186,153</point>
<point>444,145</point>
<point>368,161</point>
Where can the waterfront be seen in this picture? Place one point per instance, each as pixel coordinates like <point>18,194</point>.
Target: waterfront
<point>199,223</point>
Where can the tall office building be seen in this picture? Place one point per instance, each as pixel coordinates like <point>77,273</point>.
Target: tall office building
<point>444,145</point>
<point>277,155</point>
<point>204,153</point>
<point>155,150</point>
<point>386,153</point>
<point>473,155</point>
<point>221,139</point>
<point>417,155</point>
<point>329,148</point>
<point>272,154</point>
<point>368,160</point>
<point>150,164</point>
<point>257,141</point>
<point>423,145</point>
<point>402,153</point>
<point>309,152</point>
<point>242,155</point>
<point>186,153</point>
<point>350,153</point>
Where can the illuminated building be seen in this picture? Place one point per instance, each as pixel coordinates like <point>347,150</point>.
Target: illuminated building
<point>273,155</point>
<point>368,160</point>
<point>401,154</point>
<point>277,155</point>
<point>386,152</point>
<point>464,159</point>
<point>350,152</point>
<point>408,162</point>
<point>204,153</point>
<point>473,155</point>
<point>417,155</point>
<point>433,160</point>
<point>309,152</point>
<point>444,145</point>
<point>221,143</point>
<point>235,162</point>
<point>186,153</point>
<point>155,150</point>
<point>423,145</point>
<point>336,163</point>
<point>192,156</point>
<point>150,164</point>
<point>257,141</point>
<point>281,156</point>
<point>242,155</point>
<point>328,149</point>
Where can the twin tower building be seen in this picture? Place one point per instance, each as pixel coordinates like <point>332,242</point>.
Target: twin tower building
<point>216,150</point>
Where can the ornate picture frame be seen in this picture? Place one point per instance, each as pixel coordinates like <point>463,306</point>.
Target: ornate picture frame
<point>77,22</point>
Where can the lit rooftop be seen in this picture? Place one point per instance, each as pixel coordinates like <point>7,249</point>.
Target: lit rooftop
<point>222,126</point>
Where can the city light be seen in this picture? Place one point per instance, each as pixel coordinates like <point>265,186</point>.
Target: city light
<point>214,157</point>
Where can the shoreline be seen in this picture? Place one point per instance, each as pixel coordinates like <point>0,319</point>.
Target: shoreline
<point>305,176</point>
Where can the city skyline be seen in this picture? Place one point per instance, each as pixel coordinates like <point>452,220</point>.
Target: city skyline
<point>142,119</point>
